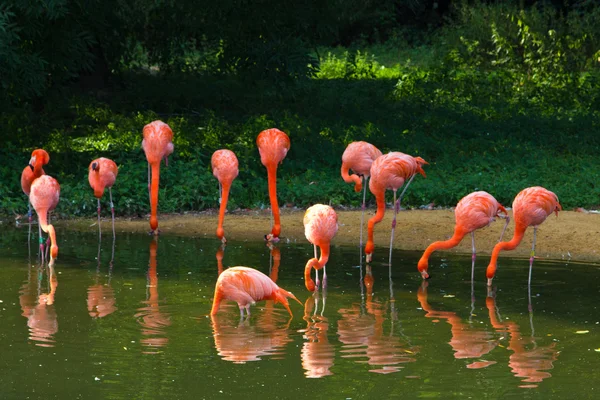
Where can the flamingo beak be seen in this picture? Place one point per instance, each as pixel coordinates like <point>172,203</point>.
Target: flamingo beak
<point>95,166</point>
<point>31,166</point>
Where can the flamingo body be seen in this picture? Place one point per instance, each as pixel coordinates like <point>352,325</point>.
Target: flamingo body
<point>531,207</point>
<point>320,226</point>
<point>44,196</point>
<point>389,171</point>
<point>246,286</point>
<point>157,145</point>
<point>102,173</point>
<point>225,168</point>
<point>273,146</point>
<point>474,211</point>
<point>358,157</point>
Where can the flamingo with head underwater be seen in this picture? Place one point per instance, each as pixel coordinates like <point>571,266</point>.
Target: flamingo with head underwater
<point>320,226</point>
<point>390,171</point>
<point>158,145</point>
<point>246,286</point>
<point>273,146</point>
<point>44,196</point>
<point>359,157</point>
<point>102,174</point>
<point>225,168</point>
<point>531,207</point>
<point>474,211</point>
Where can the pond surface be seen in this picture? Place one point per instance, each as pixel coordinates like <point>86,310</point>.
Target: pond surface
<point>138,326</point>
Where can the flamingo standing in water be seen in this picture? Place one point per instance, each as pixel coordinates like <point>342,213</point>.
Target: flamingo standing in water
<point>44,196</point>
<point>273,146</point>
<point>33,170</point>
<point>474,211</point>
<point>246,286</point>
<point>320,226</point>
<point>531,207</point>
<point>390,171</point>
<point>157,145</point>
<point>102,174</point>
<point>359,156</point>
<point>225,168</point>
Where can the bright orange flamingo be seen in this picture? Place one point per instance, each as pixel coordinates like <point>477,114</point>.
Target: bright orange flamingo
<point>320,226</point>
<point>474,211</point>
<point>102,174</point>
<point>33,170</point>
<point>157,145</point>
<point>531,207</point>
<point>225,168</point>
<point>44,196</point>
<point>390,171</point>
<point>359,156</point>
<point>273,146</point>
<point>246,286</point>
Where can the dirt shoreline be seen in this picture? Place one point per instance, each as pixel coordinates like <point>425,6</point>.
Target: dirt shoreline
<point>572,235</point>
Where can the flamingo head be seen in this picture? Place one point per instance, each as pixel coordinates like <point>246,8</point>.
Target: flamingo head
<point>422,267</point>
<point>220,233</point>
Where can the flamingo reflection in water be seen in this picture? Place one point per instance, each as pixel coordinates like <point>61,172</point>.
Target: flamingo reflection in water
<point>317,353</point>
<point>38,307</point>
<point>152,319</point>
<point>528,360</point>
<point>361,329</point>
<point>466,341</point>
<point>101,297</point>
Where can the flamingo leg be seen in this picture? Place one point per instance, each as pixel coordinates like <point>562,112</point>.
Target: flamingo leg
<point>41,240</point>
<point>473,256</point>
<point>504,229</point>
<point>99,230</point>
<point>393,227</point>
<point>48,239</point>
<point>532,254</point>
<point>30,217</point>
<point>317,281</point>
<point>112,211</point>
<point>362,216</point>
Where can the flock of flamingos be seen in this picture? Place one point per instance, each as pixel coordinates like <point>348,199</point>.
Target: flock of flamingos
<point>246,285</point>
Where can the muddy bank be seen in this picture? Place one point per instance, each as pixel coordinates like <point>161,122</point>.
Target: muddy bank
<point>573,235</point>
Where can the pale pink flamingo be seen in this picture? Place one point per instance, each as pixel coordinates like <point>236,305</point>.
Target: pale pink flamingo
<point>44,196</point>
<point>320,226</point>
<point>102,174</point>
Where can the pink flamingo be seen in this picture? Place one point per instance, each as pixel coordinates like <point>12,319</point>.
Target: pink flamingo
<point>359,157</point>
<point>390,171</point>
<point>320,226</point>
<point>158,145</point>
<point>474,211</point>
<point>102,174</point>
<point>531,207</point>
<point>246,286</point>
<point>44,196</point>
<point>32,171</point>
<point>273,146</point>
<point>225,168</point>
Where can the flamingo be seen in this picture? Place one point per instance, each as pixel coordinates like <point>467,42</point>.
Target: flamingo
<point>157,145</point>
<point>273,146</point>
<point>33,170</point>
<point>359,156</point>
<point>44,196</point>
<point>102,173</point>
<point>390,171</point>
<point>225,168</point>
<point>474,211</point>
<point>531,207</point>
<point>246,286</point>
<point>320,226</point>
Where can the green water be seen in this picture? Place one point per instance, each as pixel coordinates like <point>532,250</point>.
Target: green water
<point>138,328</point>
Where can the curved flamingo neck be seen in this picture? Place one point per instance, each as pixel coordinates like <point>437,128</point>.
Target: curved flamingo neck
<point>154,195</point>
<point>351,178</point>
<point>224,197</point>
<point>316,264</point>
<point>97,184</point>
<point>510,245</point>
<point>272,178</point>
<point>49,229</point>
<point>380,198</point>
<point>456,238</point>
